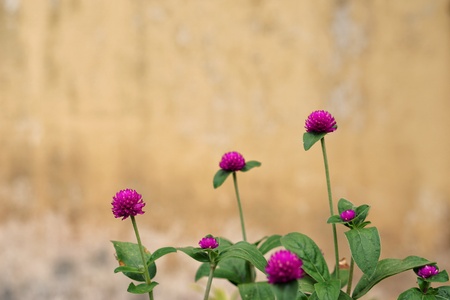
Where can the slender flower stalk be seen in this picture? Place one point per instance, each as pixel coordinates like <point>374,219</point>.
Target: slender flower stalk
<point>350,276</point>
<point>212,267</point>
<point>330,202</point>
<point>144,262</point>
<point>209,243</point>
<point>241,213</point>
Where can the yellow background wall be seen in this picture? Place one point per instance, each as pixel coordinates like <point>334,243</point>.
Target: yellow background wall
<point>97,96</point>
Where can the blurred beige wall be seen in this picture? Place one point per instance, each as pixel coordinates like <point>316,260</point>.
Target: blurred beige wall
<point>97,96</point>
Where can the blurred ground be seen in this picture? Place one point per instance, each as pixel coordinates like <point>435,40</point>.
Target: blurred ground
<point>148,95</point>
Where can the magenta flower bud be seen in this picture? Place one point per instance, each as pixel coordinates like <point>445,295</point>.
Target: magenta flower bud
<point>208,242</point>
<point>348,215</point>
<point>320,121</point>
<point>127,203</point>
<point>284,266</point>
<point>427,271</point>
<point>232,161</point>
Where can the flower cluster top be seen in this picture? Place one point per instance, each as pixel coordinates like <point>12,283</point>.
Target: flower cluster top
<point>427,271</point>
<point>320,121</point>
<point>284,266</point>
<point>127,203</point>
<point>232,161</point>
<point>208,242</point>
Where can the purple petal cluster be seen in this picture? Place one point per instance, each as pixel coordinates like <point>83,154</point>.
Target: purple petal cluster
<point>284,266</point>
<point>232,161</point>
<point>348,215</point>
<point>427,271</point>
<point>320,121</point>
<point>208,242</point>
<point>127,203</point>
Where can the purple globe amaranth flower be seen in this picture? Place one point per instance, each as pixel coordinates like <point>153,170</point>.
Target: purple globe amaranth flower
<point>284,266</point>
<point>320,121</point>
<point>127,203</point>
<point>232,161</point>
<point>208,242</point>
<point>348,215</point>
<point>427,271</point>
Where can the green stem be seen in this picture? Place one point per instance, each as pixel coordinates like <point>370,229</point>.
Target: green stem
<point>241,214</point>
<point>350,276</point>
<point>144,262</point>
<point>330,202</point>
<point>210,278</point>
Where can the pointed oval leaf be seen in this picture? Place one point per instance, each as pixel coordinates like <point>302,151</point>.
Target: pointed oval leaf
<point>230,269</point>
<point>335,220</point>
<point>161,252</point>
<point>250,165</point>
<point>270,243</point>
<point>126,269</point>
<point>247,252</point>
<point>220,177</point>
<point>443,292</point>
<point>442,276</point>
<point>386,268</point>
<point>128,255</point>
<point>310,138</point>
<point>142,288</point>
<point>285,291</point>
<point>313,262</point>
<point>256,291</point>
<point>196,253</point>
<point>344,205</point>
<point>328,290</point>
<point>365,247</point>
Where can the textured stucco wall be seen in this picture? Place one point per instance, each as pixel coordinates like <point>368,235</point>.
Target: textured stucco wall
<point>97,96</point>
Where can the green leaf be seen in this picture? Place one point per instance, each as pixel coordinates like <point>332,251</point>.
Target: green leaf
<point>301,296</point>
<point>220,177</point>
<point>328,290</point>
<point>285,291</point>
<point>442,276</point>
<point>250,165</point>
<point>344,205</point>
<point>365,247</point>
<point>415,294</point>
<point>313,262</point>
<point>270,243</point>
<point>443,292</point>
<point>386,268</point>
<point>361,214</point>
<point>246,251</point>
<point>256,291</point>
<point>344,274</point>
<point>306,284</point>
<point>310,138</point>
<point>336,219</point>
<point>161,252</point>
<point>128,255</point>
<point>196,253</point>
<point>342,296</point>
<point>142,288</point>
<point>126,269</point>
<point>232,269</point>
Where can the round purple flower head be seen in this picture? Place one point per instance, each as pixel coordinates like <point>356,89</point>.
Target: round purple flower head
<point>208,242</point>
<point>127,203</point>
<point>348,215</point>
<point>284,266</point>
<point>320,121</point>
<point>232,161</point>
<point>427,271</point>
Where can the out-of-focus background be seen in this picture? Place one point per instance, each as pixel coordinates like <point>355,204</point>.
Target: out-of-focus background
<point>97,96</point>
